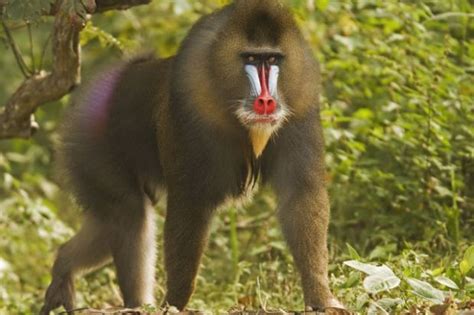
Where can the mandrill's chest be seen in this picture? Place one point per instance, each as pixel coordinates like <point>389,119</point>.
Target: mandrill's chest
<point>236,169</point>
<point>219,169</point>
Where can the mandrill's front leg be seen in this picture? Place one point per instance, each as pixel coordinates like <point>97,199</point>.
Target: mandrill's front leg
<point>304,216</point>
<point>295,168</point>
<point>186,232</point>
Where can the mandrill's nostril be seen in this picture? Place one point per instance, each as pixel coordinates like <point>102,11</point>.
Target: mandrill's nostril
<point>264,105</point>
<point>271,106</point>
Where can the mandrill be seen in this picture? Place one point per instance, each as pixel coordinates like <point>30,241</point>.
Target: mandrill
<point>238,103</point>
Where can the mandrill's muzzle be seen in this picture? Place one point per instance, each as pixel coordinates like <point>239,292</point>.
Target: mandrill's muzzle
<point>263,79</point>
<point>264,104</point>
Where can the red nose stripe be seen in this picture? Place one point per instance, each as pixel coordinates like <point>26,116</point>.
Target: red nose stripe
<point>264,104</point>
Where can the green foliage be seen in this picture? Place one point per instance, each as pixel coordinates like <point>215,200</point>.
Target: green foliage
<point>33,10</point>
<point>411,280</point>
<point>399,118</point>
<point>468,262</point>
<point>398,111</point>
<point>27,10</point>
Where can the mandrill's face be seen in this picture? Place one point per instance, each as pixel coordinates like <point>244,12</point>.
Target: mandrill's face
<point>261,67</point>
<point>249,75</point>
<point>263,108</point>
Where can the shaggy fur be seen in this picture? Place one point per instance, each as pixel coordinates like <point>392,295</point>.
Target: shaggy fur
<point>149,125</point>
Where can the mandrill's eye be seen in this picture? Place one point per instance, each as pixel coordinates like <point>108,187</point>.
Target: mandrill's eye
<point>259,58</point>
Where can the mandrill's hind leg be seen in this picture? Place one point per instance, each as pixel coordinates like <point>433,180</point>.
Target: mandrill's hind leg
<point>134,252</point>
<point>128,236</point>
<point>87,250</point>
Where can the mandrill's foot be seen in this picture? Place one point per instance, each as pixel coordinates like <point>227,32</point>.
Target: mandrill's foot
<point>59,293</point>
<point>333,307</point>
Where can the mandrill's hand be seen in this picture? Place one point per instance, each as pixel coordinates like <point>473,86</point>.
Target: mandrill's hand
<point>59,293</point>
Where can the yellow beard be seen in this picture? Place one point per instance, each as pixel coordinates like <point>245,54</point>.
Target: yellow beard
<point>259,138</point>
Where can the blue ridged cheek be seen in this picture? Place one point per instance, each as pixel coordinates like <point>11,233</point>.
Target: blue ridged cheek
<point>254,80</point>
<point>273,80</point>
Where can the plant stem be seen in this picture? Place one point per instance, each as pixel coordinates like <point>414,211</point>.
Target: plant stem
<point>16,51</point>
<point>234,241</point>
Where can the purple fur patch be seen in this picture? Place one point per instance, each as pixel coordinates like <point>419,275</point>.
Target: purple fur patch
<point>95,103</point>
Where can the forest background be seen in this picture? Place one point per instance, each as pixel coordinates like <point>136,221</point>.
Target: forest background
<point>398,113</point>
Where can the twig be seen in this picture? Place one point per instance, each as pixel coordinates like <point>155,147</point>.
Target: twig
<point>32,51</point>
<point>448,15</point>
<point>16,51</point>
<point>43,52</point>
<point>106,5</point>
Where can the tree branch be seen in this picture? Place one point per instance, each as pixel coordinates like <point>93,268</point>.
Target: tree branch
<point>106,5</point>
<point>16,119</point>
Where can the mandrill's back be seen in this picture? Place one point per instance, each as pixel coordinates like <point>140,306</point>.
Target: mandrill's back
<point>108,140</point>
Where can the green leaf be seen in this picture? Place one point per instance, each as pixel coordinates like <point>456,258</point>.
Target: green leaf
<point>364,114</point>
<point>447,282</point>
<point>375,309</point>
<point>464,267</point>
<point>360,266</point>
<point>382,251</point>
<point>322,4</point>
<point>352,280</point>
<point>381,278</point>
<point>468,261</point>
<point>92,32</point>
<point>369,269</point>
<point>388,303</point>
<point>469,256</point>
<point>380,282</point>
<point>353,252</point>
<point>438,271</point>
<point>469,287</point>
<point>425,290</point>
<point>362,301</point>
